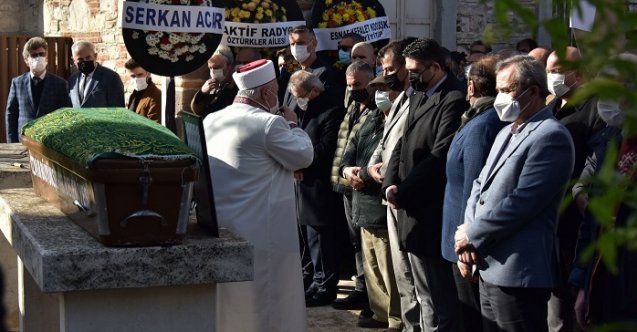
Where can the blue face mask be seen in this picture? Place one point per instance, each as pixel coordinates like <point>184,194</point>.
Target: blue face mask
<point>343,56</point>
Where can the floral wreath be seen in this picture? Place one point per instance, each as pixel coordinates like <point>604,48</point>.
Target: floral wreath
<point>341,13</point>
<point>174,46</point>
<point>256,11</point>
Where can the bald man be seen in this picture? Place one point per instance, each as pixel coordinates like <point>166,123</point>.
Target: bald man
<point>364,52</point>
<point>584,124</point>
<point>540,54</point>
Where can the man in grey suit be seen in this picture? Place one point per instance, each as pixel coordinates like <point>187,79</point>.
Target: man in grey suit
<point>511,216</point>
<point>94,85</point>
<point>35,93</point>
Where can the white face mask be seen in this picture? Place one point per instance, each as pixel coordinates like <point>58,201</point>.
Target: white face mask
<point>507,107</point>
<point>611,114</point>
<point>300,53</point>
<point>556,84</point>
<point>302,103</point>
<point>37,64</point>
<point>382,100</point>
<point>217,74</point>
<point>139,83</point>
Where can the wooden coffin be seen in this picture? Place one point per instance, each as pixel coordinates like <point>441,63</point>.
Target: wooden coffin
<point>124,201</point>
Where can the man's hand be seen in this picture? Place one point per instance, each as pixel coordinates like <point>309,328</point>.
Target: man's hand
<point>466,272</point>
<point>209,85</point>
<point>466,252</point>
<point>289,114</point>
<point>298,175</point>
<point>581,306</point>
<point>582,202</point>
<point>391,194</point>
<point>352,176</point>
<point>374,172</point>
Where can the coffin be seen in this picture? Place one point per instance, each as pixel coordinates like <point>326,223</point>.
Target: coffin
<point>123,178</point>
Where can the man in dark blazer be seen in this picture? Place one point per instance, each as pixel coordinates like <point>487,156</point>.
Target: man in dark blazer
<point>415,180</point>
<point>35,93</point>
<point>319,208</point>
<point>510,223</point>
<point>94,85</point>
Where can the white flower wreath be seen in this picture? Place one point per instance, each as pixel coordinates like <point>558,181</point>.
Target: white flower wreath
<point>174,46</point>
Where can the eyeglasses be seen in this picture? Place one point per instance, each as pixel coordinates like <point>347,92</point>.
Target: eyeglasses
<point>358,57</point>
<point>35,55</point>
<point>345,48</point>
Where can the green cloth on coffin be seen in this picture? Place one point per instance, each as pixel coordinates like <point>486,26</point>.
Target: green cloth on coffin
<point>87,134</point>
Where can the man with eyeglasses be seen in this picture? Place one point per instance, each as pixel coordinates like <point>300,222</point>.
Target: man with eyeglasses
<point>35,93</point>
<point>414,183</point>
<point>303,48</point>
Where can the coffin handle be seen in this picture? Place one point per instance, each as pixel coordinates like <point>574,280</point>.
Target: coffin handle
<point>144,213</point>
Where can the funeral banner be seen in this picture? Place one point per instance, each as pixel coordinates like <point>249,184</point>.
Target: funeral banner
<point>171,40</point>
<point>373,29</point>
<point>259,35</point>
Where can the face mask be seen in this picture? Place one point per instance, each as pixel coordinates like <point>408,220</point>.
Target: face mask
<point>303,103</point>
<point>37,64</point>
<point>217,74</point>
<point>507,107</point>
<point>393,82</point>
<point>466,71</point>
<point>414,79</point>
<point>609,112</point>
<point>556,84</point>
<point>139,83</point>
<point>343,56</point>
<point>274,108</point>
<point>379,71</point>
<point>86,67</point>
<point>359,95</point>
<point>300,53</point>
<point>382,100</point>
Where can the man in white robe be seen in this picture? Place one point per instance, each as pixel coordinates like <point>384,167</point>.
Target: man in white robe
<point>253,154</point>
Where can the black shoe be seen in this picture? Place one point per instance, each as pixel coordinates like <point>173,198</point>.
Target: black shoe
<point>320,299</point>
<point>354,301</point>
<point>366,313</point>
<point>371,323</point>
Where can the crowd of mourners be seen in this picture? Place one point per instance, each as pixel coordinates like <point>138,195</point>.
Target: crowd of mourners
<point>443,172</point>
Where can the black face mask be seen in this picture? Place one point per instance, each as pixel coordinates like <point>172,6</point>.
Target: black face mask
<point>359,95</point>
<point>414,79</point>
<point>393,82</point>
<point>86,67</point>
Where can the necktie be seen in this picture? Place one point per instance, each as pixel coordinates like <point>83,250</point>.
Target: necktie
<point>36,81</point>
<point>83,87</point>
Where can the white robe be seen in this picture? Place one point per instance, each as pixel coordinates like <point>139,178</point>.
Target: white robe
<point>252,155</point>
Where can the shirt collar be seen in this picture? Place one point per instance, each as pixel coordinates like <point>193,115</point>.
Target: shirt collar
<point>433,89</point>
<point>41,75</point>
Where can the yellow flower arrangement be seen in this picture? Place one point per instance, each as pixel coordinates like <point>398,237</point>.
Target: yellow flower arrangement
<point>345,13</point>
<point>256,11</point>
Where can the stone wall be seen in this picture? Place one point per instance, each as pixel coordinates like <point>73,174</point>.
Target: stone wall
<point>475,17</point>
<point>22,17</point>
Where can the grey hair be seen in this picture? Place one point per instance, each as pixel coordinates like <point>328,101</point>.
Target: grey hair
<point>33,44</point>
<point>528,72</point>
<point>82,44</point>
<point>250,93</point>
<point>225,52</point>
<point>360,66</point>
<point>306,81</point>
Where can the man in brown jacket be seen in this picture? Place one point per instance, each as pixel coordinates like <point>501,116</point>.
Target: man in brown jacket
<point>146,97</point>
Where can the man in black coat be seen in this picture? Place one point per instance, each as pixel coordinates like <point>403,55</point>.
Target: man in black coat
<point>319,208</point>
<point>415,180</point>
